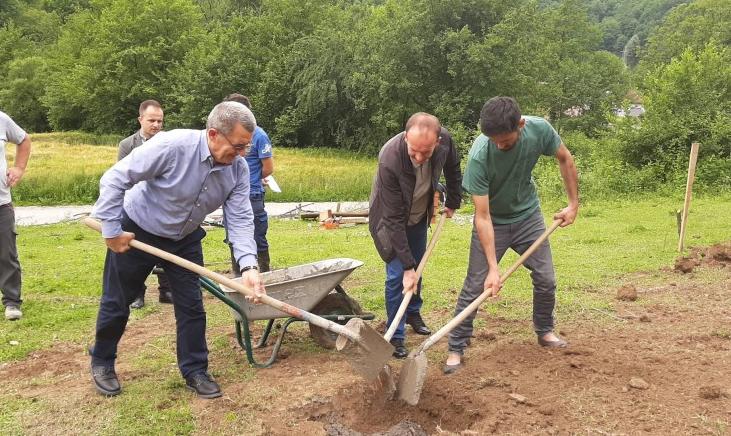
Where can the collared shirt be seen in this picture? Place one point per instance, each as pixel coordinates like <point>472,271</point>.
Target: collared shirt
<point>9,132</point>
<point>420,199</point>
<point>168,186</point>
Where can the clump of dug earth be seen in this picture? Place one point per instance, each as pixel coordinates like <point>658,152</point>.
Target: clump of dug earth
<point>627,293</point>
<point>685,265</point>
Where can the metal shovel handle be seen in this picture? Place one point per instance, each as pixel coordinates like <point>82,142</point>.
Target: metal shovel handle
<point>433,339</point>
<point>237,286</point>
<point>407,295</point>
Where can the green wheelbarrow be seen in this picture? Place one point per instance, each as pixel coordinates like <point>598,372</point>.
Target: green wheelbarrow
<point>314,287</point>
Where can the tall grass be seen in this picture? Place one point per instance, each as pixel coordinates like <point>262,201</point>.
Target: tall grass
<point>65,169</point>
<point>320,174</point>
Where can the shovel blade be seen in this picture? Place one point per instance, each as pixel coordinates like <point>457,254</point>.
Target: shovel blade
<point>411,379</point>
<point>369,354</point>
<point>386,384</point>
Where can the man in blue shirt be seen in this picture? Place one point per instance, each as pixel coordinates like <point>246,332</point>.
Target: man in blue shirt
<point>160,194</point>
<point>261,165</point>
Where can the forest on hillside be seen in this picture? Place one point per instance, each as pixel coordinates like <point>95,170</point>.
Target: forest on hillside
<point>348,73</point>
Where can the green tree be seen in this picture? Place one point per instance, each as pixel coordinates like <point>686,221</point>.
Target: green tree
<point>232,56</point>
<point>20,95</point>
<point>687,100</point>
<point>691,25</point>
<point>115,55</point>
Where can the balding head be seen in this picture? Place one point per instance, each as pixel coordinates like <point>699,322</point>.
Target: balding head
<point>422,136</point>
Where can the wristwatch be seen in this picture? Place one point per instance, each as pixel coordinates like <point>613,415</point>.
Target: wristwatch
<point>246,268</point>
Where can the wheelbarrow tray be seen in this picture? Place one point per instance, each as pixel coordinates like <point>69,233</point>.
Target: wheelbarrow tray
<point>302,286</point>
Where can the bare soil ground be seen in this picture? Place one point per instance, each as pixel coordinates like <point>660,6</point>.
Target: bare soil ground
<point>658,363</point>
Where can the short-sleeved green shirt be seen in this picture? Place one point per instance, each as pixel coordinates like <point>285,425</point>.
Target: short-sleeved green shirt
<point>506,176</point>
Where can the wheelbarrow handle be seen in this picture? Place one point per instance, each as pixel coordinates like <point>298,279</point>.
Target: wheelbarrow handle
<point>433,339</point>
<point>235,285</point>
<point>407,295</point>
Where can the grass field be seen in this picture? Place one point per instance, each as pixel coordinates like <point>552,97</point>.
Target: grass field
<point>65,169</point>
<point>62,263</point>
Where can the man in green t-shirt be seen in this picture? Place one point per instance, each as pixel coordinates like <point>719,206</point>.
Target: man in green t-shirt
<point>498,175</point>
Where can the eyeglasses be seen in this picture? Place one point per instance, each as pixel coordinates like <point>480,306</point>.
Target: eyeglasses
<point>237,147</point>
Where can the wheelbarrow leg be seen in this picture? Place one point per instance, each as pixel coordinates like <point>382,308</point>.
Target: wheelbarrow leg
<point>265,335</point>
<point>243,335</point>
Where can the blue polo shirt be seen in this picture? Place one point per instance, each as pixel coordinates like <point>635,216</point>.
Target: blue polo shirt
<point>261,148</point>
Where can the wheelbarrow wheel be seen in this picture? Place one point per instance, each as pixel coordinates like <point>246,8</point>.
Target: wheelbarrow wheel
<point>334,303</point>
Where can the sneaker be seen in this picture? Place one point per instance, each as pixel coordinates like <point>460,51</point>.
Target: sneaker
<point>13,313</point>
<point>203,385</point>
<point>105,380</point>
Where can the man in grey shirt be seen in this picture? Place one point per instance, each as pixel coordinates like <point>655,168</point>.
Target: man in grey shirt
<point>10,279</point>
<point>160,194</point>
<point>150,119</point>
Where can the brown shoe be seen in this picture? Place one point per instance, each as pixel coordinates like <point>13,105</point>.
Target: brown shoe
<point>560,343</point>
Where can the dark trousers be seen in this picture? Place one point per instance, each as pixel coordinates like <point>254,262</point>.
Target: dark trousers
<point>9,265</point>
<point>261,226</point>
<point>261,222</point>
<point>416,237</point>
<point>124,279</point>
<point>517,236</point>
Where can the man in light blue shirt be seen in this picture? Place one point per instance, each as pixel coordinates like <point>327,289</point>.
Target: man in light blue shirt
<point>160,194</point>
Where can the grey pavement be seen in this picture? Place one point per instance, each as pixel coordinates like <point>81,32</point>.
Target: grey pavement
<point>37,215</point>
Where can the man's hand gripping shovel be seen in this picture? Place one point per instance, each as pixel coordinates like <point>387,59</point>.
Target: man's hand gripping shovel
<point>365,349</point>
<point>385,377</point>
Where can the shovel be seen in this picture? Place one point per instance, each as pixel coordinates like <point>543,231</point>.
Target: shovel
<point>369,352</point>
<point>385,378</point>
<point>413,373</point>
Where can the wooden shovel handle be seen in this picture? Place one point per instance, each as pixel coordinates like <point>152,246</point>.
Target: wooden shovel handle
<point>235,285</point>
<point>407,295</point>
<point>433,339</point>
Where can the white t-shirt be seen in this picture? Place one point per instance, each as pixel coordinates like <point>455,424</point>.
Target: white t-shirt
<point>9,132</point>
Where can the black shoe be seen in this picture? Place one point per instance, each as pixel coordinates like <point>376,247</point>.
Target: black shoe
<point>203,385</point>
<point>105,380</point>
<point>166,297</point>
<point>400,351</point>
<point>415,321</point>
<point>139,303</point>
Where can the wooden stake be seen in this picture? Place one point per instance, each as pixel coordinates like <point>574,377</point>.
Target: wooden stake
<point>688,188</point>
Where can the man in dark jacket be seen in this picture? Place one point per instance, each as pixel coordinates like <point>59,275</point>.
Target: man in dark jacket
<point>151,119</point>
<point>409,167</point>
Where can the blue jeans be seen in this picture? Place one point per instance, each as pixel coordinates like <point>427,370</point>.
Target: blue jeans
<point>124,279</point>
<point>416,236</point>
<point>261,221</point>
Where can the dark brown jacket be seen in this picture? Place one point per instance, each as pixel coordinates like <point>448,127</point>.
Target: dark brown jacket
<point>393,189</point>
